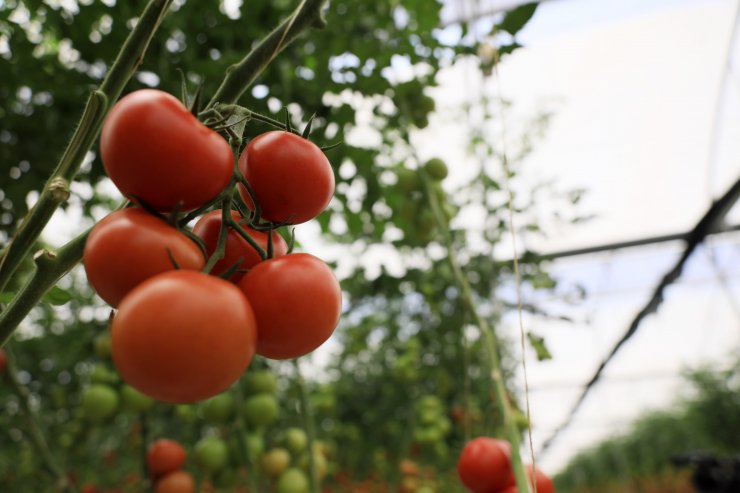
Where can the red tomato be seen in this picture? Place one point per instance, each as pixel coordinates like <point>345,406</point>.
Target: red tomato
<point>176,482</point>
<point>183,336</point>
<point>484,465</point>
<point>89,488</point>
<point>154,149</point>
<point>3,361</point>
<point>165,456</point>
<point>290,176</point>
<point>129,246</point>
<point>208,228</point>
<point>542,482</point>
<point>297,302</point>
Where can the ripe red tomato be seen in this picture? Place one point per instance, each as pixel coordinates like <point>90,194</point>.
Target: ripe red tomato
<point>208,228</point>
<point>484,465</point>
<point>297,302</point>
<point>154,149</point>
<point>3,361</point>
<point>543,483</point>
<point>176,482</point>
<point>129,246</point>
<point>183,336</point>
<point>165,456</point>
<point>290,176</point>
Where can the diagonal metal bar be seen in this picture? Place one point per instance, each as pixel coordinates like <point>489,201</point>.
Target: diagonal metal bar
<point>707,224</point>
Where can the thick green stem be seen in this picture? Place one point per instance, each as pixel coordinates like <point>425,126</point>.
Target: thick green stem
<point>241,75</point>
<point>309,428</point>
<point>50,267</point>
<point>501,395</point>
<point>35,433</point>
<point>56,190</point>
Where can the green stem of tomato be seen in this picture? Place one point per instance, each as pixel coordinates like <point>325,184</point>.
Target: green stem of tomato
<point>241,232</point>
<point>220,250</point>
<point>501,395</point>
<point>308,425</point>
<point>56,190</point>
<point>241,433</point>
<point>50,267</point>
<point>241,75</point>
<point>36,435</point>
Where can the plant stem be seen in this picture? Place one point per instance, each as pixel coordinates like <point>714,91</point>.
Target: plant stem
<point>36,435</point>
<point>491,342</point>
<point>50,267</point>
<point>56,190</point>
<point>242,441</point>
<point>309,427</point>
<point>241,75</point>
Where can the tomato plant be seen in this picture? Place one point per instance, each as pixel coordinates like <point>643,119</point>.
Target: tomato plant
<point>297,303</point>
<point>131,245</point>
<point>290,176</point>
<point>156,151</point>
<point>183,336</point>
<point>484,465</point>
<point>237,249</point>
<point>165,456</point>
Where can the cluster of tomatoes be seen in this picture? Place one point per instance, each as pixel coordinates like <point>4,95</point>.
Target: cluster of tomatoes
<point>193,307</point>
<point>484,466</point>
<point>165,459</point>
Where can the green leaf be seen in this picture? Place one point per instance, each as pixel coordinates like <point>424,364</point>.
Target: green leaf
<point>58,296</point>
<point>539,346</point>
<point>516,19</point>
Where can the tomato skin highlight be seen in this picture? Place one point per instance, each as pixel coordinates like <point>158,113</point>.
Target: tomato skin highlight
<point>290,176</point>
<point>297,303</point>
<point>484,465</point>
<point>129,246</point>
<point>208,228</point>
<point>155,150</point>
<point>183,336</point>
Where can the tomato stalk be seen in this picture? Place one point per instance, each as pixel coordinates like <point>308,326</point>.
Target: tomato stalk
<point>501,395</point>
<point>36,435</point>
<point>241,75</point>
<point>308,426</point>
<point>241,432</point>
<point>50,267</point>
<point>220,250</point>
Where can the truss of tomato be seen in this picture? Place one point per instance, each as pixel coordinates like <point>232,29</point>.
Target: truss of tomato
<point>289,175</point>
<point>183,336</point>
<point>237,249</point>
<point>155,150</point>
<point>484,465</point>
<point>297,302</point>
<point>129,246</point>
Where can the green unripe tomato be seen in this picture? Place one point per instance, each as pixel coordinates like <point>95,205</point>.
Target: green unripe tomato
<point>101,374</point>
<point>295,440</point>
<point>261,410</point>
<point>259,382</point>
<point>186,413</point>
<point>99,401</point>
<point>102,345</point>
<point>292,480</point>
<point>134,401</point>
<point>408,180</point>
<point>211,454</point>
<point>218,409</point>
<point>275,461</point>
<point>436,169</point>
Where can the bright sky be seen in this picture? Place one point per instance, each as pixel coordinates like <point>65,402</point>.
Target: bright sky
<point>634,88</point>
